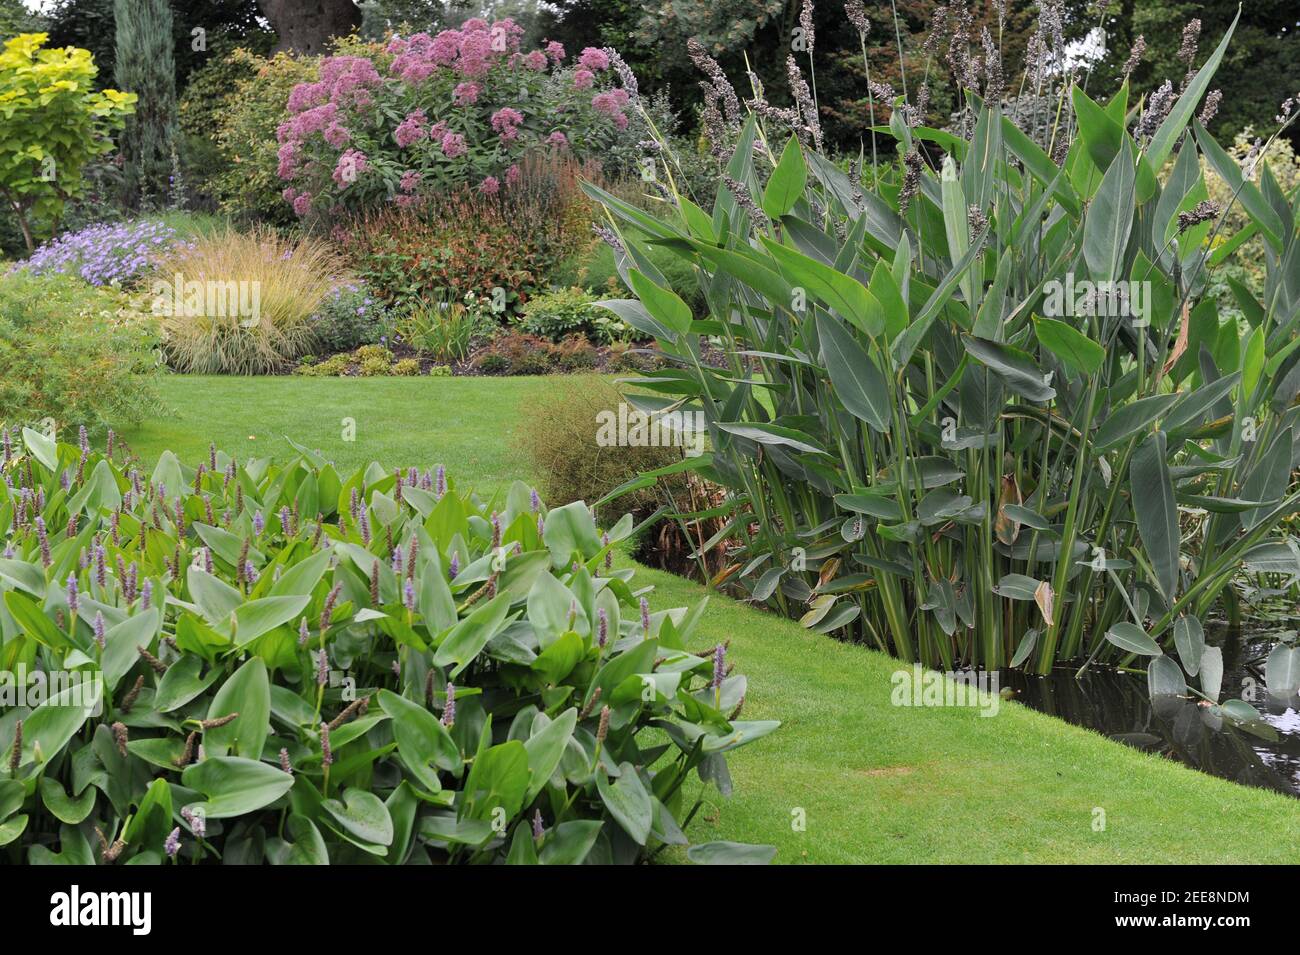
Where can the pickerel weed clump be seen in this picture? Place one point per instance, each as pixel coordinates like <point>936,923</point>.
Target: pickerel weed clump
<point>980,409</point>
<point>179,688</point>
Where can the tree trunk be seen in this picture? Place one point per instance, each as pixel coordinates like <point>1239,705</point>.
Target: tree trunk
<point>307,26</point>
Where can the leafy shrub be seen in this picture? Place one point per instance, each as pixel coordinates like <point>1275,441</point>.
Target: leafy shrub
<point>72,354</point>
<point>368,361</point>
<point>445,329</point>
<point>393,123</point>
<point>517,353</point>
<point>114,253</point>
<point>989,469</point>
<point>55,122</point>
<point>307,667</point>
<point>471,244</point>
<point>562,444</point>
<point>347,317</point>
<point>557,314</point>
<point>595,268</point>
<point>242,127</point>
<point>279,285</point>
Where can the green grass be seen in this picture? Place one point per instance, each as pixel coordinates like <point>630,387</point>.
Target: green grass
<point>469,424</point>
<point>873,782</point>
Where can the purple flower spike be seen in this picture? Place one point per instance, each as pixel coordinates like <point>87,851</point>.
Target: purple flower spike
<point>453,566</point>
<point>440,482</point>
<point>43,538</point>
<point>602,629</point>
<point>535,501</point>
<point>100,629</point>
<point>74,601</point>
<point>259,524</point>
<point>449,708</point>
<point>173,844</point>
<point>719,665</point>
<point>645,616</point>
<point>408,595</point>
<point>146,594</point>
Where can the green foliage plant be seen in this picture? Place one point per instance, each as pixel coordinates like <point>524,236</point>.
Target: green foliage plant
<point>53,123</point>
<point>927,450</point>
<point>284,664</point>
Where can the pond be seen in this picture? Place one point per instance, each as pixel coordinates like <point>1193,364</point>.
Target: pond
<point>1117,705</point>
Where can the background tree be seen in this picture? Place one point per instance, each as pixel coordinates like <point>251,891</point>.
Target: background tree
<point>307,26</point>
<point>144,67</point>
<point>15,18</point>
<point>90,25</point>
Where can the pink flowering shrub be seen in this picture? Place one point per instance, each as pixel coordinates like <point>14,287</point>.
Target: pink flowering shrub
<point>395,123</point>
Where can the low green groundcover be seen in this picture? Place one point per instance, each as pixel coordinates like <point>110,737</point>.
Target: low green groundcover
<point>242,662</point>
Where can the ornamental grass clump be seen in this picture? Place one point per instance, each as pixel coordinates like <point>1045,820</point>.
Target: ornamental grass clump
<point>390,670</point>
<point>242,303</point>
<point>978,408</point>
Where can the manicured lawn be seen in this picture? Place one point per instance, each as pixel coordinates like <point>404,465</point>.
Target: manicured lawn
<point>874,782</point>
<point>469,424</point>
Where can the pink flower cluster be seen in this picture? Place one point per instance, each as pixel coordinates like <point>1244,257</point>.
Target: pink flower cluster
<point>410,129</point>
<point>470,51</point>
<point>350,166</point>
<point>344,81</point>
<point>594,59</point>
<point>612,103</point>
<point>506,122</point>
<point>338,128</point>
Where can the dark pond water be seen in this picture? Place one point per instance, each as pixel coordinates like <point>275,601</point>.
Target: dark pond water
<point>1117,705</point>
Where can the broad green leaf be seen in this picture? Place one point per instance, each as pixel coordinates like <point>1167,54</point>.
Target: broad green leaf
<point>786,185</point>
<point>233,786</point>
<point>1131,638</point>
<point>1109,219</point>
<point>1164,678</point>
<point>628,802</point>
<point>1157,514</point>
<point>248,693</point>
<point>1075,350</point>
<point>857,380</point>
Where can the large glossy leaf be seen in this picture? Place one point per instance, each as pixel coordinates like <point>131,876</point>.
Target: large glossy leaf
<point>1164,678</point>
<point>663,304</point>
<point>786,185</point>
<point>1282,670</point>
<point>1212,672</point>
<point>858,383</point>
<point>233,786</point>
<point>248,693</point>
<point>423,744</point>
<point>1109,219</point>
<point>1013,366</point>
<point>1156,511</point>
<point>1132,639</point>
<point>1189,639</point>
<point>628,802</point>
<point>1076,351</point>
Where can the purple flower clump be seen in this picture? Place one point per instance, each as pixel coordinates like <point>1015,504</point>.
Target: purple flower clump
<point>110,253</point>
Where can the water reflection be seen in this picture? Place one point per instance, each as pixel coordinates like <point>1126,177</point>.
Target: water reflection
<point>1117,705</point>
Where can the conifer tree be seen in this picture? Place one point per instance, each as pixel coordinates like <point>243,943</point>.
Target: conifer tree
<point>145,66</point>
